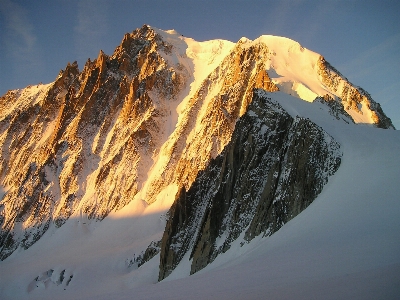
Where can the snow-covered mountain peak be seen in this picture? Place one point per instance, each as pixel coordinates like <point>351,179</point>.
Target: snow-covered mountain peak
<point>280,43</point>
<point>205,56</point>
<point>294,69</point>
<point>144,121</point>
<point>162,157</point>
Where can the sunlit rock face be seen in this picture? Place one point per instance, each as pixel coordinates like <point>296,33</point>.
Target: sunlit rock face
<point>146,119</point>
<point>273,168</point>
<point>208,119</point>
<point>85,142</point>
<point>356,101</point>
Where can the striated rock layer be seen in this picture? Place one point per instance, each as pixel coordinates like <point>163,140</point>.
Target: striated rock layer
<point>143,121</point>
<point>272,169</point>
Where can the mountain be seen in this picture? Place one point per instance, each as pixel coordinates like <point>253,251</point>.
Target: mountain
<point>171,156</point>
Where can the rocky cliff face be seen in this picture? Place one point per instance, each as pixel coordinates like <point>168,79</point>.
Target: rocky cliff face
<point>84,143</point>
<point>208,120</point>
<point>352,98</point>
<point>273,168</point>
<point>147,119</point>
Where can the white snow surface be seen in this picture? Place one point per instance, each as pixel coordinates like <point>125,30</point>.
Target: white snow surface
<point>293,68</point>
<point>203,56</point>
<point>25,97</point>
<point>345,245</point>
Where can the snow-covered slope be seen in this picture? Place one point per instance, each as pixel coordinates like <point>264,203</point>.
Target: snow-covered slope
<point>344,245</point>
<point>305,74</point>
<point>91,163</point>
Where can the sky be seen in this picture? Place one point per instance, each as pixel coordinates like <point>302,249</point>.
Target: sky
<point>360,38</point>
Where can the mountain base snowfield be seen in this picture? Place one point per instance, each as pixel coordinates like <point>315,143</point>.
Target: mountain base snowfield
<point>99,171</point>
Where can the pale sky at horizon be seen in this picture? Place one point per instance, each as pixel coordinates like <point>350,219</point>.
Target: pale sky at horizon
<point>359,38</point>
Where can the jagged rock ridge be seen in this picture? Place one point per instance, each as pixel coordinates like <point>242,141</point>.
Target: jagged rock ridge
<point>355,100</point>
<point>84,144</point>
<point>141,121</point>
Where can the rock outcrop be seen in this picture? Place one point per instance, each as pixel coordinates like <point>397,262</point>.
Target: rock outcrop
<point>336,108</point>
<point>272,169</point>
<point>351,97</point>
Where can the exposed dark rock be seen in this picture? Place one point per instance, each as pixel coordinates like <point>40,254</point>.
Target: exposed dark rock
<point>336,108</point>
<point>272,169</point>
<point>152,250</point>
